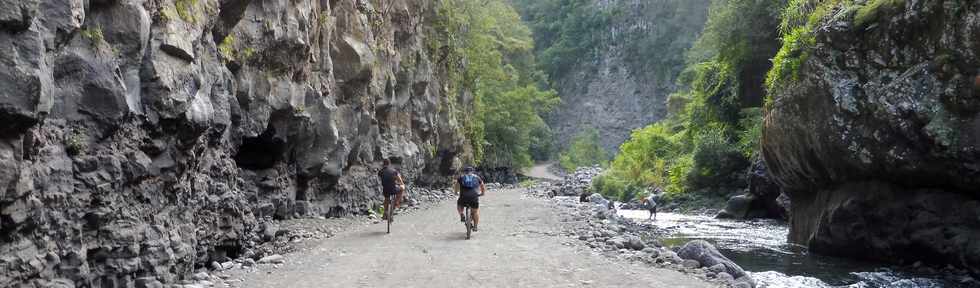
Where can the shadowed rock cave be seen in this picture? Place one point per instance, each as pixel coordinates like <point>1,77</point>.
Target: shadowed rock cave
<point>262,152</point>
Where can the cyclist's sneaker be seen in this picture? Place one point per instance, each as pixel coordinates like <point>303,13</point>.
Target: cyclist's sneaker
<point>474,228</point>
<point>462,218</point>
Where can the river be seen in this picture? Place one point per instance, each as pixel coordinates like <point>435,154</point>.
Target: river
<point>760,247</point>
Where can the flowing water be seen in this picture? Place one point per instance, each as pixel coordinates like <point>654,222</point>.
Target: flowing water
<point>760,246</point>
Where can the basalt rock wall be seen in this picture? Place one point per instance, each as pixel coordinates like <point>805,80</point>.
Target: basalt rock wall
<point>877,142</point>
<point>143,138</point>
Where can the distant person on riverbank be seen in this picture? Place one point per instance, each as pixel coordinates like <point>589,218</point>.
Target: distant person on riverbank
<point>651,202</point>
<point>392,184</point>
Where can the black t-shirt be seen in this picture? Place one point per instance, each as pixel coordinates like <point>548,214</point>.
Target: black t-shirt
<point>389,179</point>
<point>469,192</point>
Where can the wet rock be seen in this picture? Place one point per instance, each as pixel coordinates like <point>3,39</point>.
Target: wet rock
<point>745,281</point>
<point>725,277</point>
<point>738,207</point>
<point>707,255</point>
<point>742,285</point>
<point>764,199</point>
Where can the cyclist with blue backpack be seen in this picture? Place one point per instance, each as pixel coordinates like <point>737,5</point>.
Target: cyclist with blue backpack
<point>470,187</point>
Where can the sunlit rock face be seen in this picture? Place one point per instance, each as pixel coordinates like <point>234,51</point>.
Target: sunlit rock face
<point>878,140</point>
<point>141,139</point>
<point>608,89</point>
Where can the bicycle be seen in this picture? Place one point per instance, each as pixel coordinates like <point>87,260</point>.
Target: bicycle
<point>468,220</point>
<point>390,213</point>
<point>468,216</point>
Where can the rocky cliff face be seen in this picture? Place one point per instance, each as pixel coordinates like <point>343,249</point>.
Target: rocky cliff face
<point>878,141</point>
<point>142,138</point>
<point>609,90</point>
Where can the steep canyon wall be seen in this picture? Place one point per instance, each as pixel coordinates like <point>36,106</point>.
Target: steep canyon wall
<point>142,138</point>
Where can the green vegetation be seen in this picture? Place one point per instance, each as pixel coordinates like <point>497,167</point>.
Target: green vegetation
<point>75,143</point>
<point>487,50</point>
<point>799,20</point>
<point>185,8</point>
<point>790,58</point>
<point>227,47</point>
<point>94,34</point>
<point>167,14</point>
<point>567,32</point>
<point>873,10</point>
<point>584,151</point>
<point>576,32</point>
<point>701,151</point>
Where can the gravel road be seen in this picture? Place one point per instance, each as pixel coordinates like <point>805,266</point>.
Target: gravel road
<point>518,246</point>
<point>542,171</point>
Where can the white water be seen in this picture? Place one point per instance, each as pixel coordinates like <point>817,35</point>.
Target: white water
<point>760,247</point>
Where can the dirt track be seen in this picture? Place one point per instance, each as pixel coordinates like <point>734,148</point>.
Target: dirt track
<point>542,172</point>
<point>517,246</point>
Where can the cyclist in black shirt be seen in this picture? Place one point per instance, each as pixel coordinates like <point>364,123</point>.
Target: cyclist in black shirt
<point>392,184</point>
<point>467,185</point>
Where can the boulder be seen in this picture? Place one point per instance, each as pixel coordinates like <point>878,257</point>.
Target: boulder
<point>763,199</point>
<point>876,139</point>
<point>634,242</point>
<point>706,254</point>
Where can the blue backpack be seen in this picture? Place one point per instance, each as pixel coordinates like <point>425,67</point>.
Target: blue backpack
<point>469,181</point>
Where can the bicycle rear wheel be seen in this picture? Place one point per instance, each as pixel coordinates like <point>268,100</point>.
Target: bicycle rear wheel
<point>468,222</point>
<point>389,216</point>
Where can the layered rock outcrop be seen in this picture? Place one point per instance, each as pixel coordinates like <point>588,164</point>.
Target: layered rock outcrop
<point>144,138</point>
<point>878,140</point>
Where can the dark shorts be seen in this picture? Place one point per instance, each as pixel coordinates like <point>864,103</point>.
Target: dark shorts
<point>469,201</point>
<point>392,192</point>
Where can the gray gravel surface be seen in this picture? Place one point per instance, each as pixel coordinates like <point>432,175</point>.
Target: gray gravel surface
<point>518,246</point>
